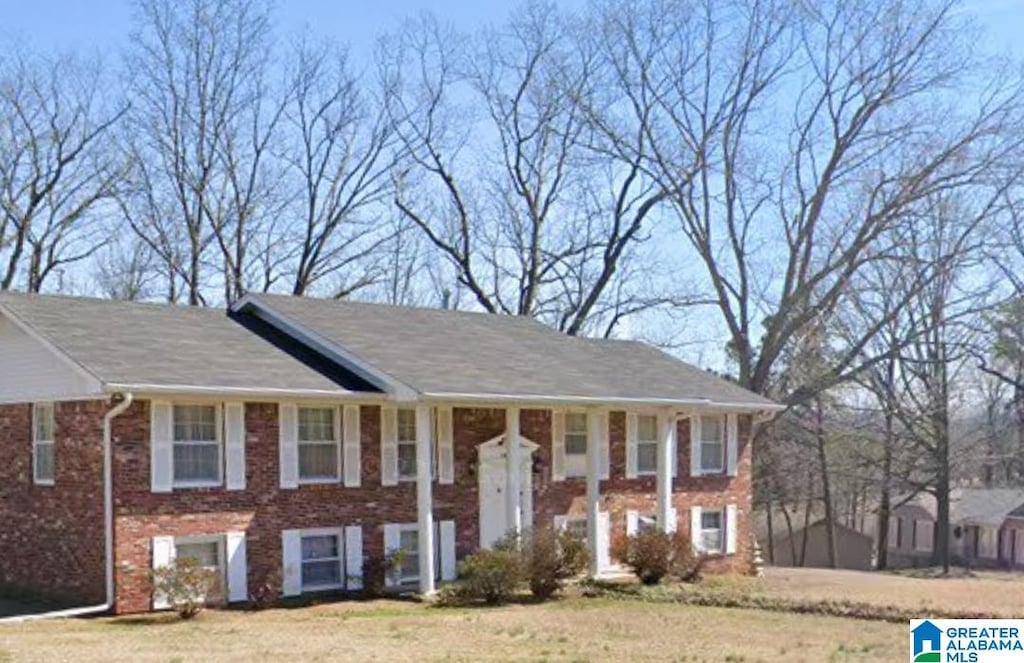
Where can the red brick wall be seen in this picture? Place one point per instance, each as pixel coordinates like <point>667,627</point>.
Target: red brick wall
<point>51,537</point>
<point>73,527</point>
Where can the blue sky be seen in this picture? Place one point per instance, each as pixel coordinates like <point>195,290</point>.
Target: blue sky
<point>104,25</point>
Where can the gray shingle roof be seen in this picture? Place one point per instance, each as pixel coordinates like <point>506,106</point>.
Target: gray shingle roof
<point>450,352</point>
<point>159,344</point>
<point>983,506</point>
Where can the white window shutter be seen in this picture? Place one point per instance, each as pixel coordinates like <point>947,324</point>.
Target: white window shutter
<point>606,455</point>
<point>557,445</point>
<point>673,521</point>
<point>731,445</point>
<point>447,536</point>
<point>632,523</point>
<point>603,541</point>
<point>288,444</point>
<point>354,556</point>
<point>163,555</point>
<point>352,457</point>
<point>291,562</point>
<point>730,529</point>
<point>388,445</point>
<point>238,583</point>
<point>445,446</point>
<point>632,431</point>
<point>695,528</point>
<point>234,445</point>
<point>695,445</point>
<point>161,446</point>
<point>392,542</point>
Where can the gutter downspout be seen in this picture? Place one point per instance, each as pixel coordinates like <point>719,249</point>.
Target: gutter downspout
<point>108,527</point>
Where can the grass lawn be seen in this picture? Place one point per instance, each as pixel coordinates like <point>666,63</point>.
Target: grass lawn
<point>569,630</point>
<point>983,591</point>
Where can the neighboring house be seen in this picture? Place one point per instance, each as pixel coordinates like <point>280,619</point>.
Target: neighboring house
<point>290,440</point>
<point>809,547</point>
<point>984,530</point>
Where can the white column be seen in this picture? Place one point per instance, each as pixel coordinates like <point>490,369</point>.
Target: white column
<point>666,432</point>
<point>513,478</point>
<point>424,498</point>
<point>594,439</point>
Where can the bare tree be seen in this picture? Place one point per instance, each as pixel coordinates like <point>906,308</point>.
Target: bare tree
<point>870,100</point>
<point>58,172</point>
<point>508,186</point>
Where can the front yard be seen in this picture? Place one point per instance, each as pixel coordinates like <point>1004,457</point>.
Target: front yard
<point>569,630</point>
<point>574,629</point>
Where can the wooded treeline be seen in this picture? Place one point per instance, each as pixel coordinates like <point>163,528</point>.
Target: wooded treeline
<point>830,190</point>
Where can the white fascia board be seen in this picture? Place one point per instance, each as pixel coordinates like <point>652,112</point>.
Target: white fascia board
<point>608,401</point>
<point>92,378</point>
<point>399,390</point>
<point>257,393</point>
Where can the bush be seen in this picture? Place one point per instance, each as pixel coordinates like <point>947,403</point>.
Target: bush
<point>491,576</point>
<point>378,570</point>
<point>653,555</point>
<point>187,586</point>
<point>550,558</point>
<point>266,592</point>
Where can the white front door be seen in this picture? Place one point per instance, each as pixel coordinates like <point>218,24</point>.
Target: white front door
<point>493,517</point>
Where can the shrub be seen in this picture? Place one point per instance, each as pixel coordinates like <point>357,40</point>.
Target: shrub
<point>550,558</point>
<point>378,570</point>
<point>266,592</point>
<point>653,555</point>
<point>187,586</point>
<point>491,576</point>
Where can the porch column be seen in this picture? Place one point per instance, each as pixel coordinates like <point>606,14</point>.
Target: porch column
<point>513,478</point>
<point>666,433</point>
<point>594,440</point>
<point>424,498</point>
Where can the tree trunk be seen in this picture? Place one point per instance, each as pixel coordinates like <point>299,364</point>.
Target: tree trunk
<point>826,486</point>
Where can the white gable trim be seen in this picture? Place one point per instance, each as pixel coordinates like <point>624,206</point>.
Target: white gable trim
<point>399,390</point>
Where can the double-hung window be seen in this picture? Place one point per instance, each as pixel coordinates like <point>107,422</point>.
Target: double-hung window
<point>42,444</point>
<point>646,444</point>
<point>712,530</point>
<point>322,561</point>
<point>407,570</point>
<point>712,444</point>
<point>575,444</point>
<point>319,445</point>
<point>208,553</point>
<point>407,444</point>
<point>197,445</point>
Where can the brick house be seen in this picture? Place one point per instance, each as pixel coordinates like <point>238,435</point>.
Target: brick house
<point>288,440</point>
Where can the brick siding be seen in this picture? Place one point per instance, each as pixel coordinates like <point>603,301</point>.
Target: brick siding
<point>68,533</point>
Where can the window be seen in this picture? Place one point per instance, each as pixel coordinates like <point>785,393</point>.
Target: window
<point>208,553</point>
<point>711,530</point>
<point>712,444</point>
<point>319,447</point>
<point>923,535</point>
<point>646,522</point>
<point>322,565</point>
<point>894,532</point>
<point>406,444</point>
<point>647,444</point>
<point>197,446</point>
<point>408,571</point>
<point>42,444</point>
<point>575,444</point>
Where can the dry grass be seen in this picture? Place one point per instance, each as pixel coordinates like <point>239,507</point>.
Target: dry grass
<point>991,592</point>
<point>568,630</point>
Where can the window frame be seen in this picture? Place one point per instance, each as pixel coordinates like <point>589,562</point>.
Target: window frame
<point>336,431</point>
<point>720,547</point>
<point>640,441</point>
<point>723,442</point>
<point>406,581</point>
<point>218,411</point>
<point>400,442</point>
<point>50,443</point>
<point>646,521</point>
<point>575,463</point>
<point>339,534</point>
<point>222,562</point>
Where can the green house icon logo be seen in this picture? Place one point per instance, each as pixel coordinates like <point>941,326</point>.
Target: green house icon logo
<point>927,643</point>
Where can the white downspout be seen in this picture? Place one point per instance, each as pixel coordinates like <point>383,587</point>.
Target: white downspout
<point>108,527</point>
